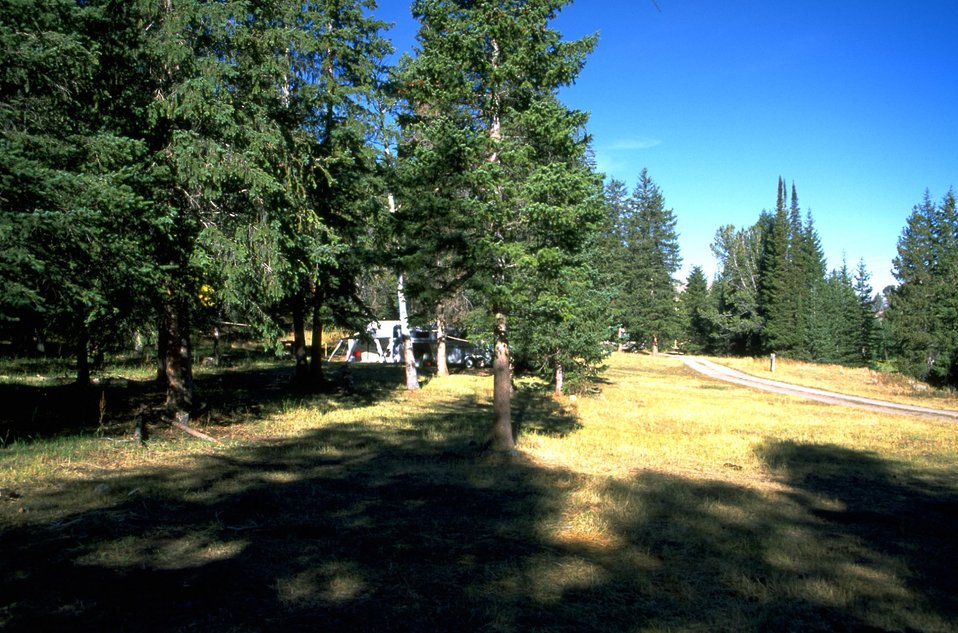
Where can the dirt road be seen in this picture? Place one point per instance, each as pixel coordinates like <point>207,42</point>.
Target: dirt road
<point>720,372</point>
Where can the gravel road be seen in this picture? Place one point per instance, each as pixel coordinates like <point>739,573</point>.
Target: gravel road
<point>720,372</point>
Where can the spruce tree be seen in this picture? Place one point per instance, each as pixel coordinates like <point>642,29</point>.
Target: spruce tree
<point>912,307</point>
<point>696,303</point>
<point>651,313</point>
<point>810,275</point>
<point>609,256</point>
<point>71,221</point>
<point>778,278</point>
<point>946,287</point>
<point>482,95</point>
<point>867,335</point>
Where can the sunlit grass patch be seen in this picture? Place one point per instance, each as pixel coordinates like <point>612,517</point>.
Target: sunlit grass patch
<point>162,551</point>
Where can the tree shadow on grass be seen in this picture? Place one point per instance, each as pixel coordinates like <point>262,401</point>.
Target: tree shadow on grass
<point>353,528</point>
<point>223,398</point>
<point>899,514</point>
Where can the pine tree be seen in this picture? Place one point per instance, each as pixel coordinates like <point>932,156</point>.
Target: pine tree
<point>71,221</point>
<point>946,286</point>
<point>609,256</point>
<point>867,340</point>
<point>912,304</point>
<point>482,96</point>
<point>834,321</point>
<point>651,313</point>
<point>778,278</point>
<point>810,273</point>
<point>696,303</point>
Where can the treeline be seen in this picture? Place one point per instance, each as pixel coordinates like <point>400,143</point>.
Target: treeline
<point>772,293</point>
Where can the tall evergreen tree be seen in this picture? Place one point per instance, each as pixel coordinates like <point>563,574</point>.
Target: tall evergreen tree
<point>946,290</point>
<point>482,94</point>
<point>651,312</point>
<point>912,305</point>
<point>70,218</point>
<point>810,274</point>
<point>867,335</point>
<point>609,256</point>
<point>779,282</point>
<point>697,306</point>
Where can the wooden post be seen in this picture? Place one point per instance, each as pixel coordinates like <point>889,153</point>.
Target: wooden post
<point>771,367</point>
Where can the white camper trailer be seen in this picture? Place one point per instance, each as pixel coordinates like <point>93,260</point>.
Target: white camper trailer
<point>382,343</point>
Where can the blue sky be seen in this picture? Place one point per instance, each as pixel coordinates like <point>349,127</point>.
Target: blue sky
<point>856,102</point>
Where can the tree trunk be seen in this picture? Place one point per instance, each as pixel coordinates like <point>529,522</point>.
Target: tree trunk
<point>412,376</point>
<point>442,367</point>
<point>316,345</point>
<point>560,378</point>
<point>502,439</point>
<point>161,345</point>
<point>409,357</point>
<point>655,345</point>
<point>83,358</point>
<point>178,358</point>
<point>301,375</point>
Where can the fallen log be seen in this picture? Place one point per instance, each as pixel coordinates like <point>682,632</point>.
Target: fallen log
<point>187,429</point>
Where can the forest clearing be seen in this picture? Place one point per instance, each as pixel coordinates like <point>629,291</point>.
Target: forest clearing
<point>664,501</point>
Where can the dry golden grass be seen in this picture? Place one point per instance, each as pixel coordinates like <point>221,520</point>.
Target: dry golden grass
<point>667,502</point>
<point>663,416</point>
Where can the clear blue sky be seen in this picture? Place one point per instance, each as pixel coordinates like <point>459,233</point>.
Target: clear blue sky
<point>856,101</point>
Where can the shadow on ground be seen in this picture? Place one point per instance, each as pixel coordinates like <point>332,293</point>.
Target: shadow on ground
<point>348,529</point>
<point>223,398</point>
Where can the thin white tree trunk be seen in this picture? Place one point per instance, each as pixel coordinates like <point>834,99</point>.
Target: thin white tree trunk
<point>412,376</point>
<point>442,367</point>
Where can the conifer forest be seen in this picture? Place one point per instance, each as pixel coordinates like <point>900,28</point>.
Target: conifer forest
<point>170,167</point>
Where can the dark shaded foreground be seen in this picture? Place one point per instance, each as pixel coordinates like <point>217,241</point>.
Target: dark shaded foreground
<point>351,530</point>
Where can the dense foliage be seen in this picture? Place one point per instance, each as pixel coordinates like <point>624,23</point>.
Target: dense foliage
<point>923,309</point>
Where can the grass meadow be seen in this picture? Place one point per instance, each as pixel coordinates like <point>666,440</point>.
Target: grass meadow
<point>663,502</point>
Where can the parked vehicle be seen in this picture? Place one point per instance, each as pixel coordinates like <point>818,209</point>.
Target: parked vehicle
<point>382,343</point>
<point>479,356</point>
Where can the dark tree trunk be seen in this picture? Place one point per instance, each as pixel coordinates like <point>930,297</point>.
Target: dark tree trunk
<point>83,357</point>
<point>502,439</point>
<point>162,341</point>
<point>301,377</point>
<point>316,345</point>
<point>442,367</point>
<point>179,358</point>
